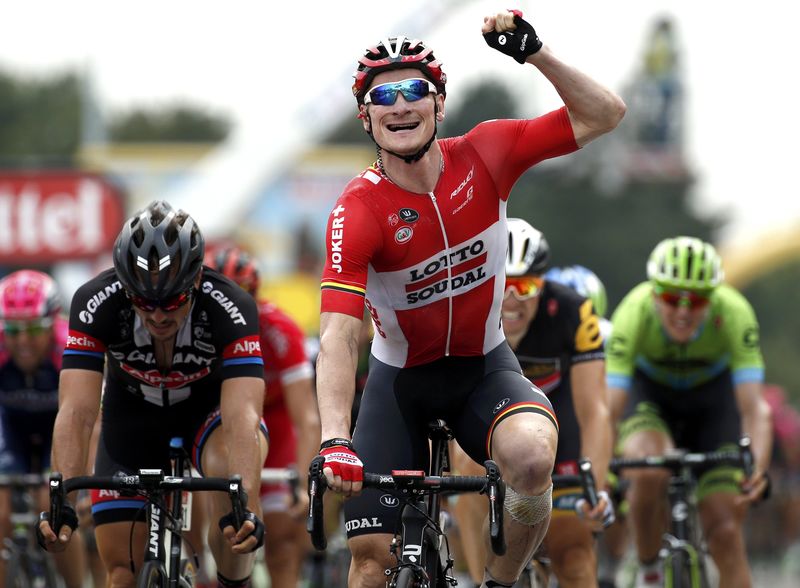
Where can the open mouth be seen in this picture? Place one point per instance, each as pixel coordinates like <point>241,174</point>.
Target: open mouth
<point>396,128</point>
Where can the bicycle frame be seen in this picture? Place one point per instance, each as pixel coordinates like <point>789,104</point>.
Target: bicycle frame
<point>155,485</point>
<point>421,534</point>
<point>681,552</point>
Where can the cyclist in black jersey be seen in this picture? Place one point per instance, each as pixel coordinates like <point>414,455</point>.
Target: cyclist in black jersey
<point>555,334</point>
<point>180,347</point>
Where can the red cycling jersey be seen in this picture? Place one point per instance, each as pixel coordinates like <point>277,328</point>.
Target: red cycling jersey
<point>425,264</point>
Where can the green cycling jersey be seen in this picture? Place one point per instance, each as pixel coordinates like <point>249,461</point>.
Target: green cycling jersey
<point>728,339</point>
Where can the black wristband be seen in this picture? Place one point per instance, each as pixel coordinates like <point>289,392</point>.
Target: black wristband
<point>336,442</point>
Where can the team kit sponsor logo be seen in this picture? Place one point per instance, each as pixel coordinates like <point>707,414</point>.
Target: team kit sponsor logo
<point>249,346</point>
<point>87,316</point>
<point>471,255</point>
<point>364,523</point>
<point>174,379</point>
<point>82,342</point>
<point>337,236</point>
<point>229,305</point>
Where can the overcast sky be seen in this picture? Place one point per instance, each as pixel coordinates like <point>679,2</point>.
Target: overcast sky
<point>256,61</point>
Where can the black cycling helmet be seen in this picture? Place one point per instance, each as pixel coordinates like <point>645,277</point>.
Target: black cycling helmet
<point>397,53</point>
<point>159,252</point>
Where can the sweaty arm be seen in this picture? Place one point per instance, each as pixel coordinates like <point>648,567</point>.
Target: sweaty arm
<point>757,424</point>
<point>78,407</point>
<point>591,410</point>
<point>336,372</point>
<point>241,404</point>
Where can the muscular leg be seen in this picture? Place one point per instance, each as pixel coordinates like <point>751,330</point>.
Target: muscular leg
<point>524,447</point>
<point>114,547</point>
<point>570,546</point>
<point>370,558</point>
<point>647,494</point>
<point>722,521</point>
<point>215,464</point>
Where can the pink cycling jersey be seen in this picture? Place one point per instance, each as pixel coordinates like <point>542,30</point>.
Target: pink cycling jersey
<point>427,265</point>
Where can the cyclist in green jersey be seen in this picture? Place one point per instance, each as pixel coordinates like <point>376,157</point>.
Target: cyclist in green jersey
<point>684,369</point>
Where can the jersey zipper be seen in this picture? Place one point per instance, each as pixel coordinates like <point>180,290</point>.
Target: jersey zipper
<point>449,275</point>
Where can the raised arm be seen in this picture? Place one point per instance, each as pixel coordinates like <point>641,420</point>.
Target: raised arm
<point>593,109</point>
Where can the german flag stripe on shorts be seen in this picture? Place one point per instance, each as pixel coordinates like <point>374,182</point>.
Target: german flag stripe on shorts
<point>519,407</point>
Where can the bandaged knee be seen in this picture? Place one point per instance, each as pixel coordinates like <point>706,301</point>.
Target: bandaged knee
<point>528,510</point>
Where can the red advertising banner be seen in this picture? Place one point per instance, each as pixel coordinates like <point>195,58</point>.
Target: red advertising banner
<point>47,217</point>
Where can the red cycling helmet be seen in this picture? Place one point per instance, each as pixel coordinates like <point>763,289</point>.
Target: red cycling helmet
<point>237,265</point>
<point>397,53</point>
<point>28,294</point>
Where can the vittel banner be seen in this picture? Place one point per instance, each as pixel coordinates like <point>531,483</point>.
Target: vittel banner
<point>55,216</point>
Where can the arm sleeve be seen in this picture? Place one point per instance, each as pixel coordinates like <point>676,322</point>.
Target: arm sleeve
<point>587,340</point>
<point>747,363</point>
<point>509,147</point>
<point>351,239</point>
<point>85,345</point>
<point>621,347</point>
<point>241,343</point>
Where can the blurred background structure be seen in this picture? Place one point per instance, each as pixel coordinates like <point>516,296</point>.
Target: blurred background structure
<point>246,120</point>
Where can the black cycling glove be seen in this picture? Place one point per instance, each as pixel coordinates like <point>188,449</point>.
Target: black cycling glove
<point>519,43</point>
<point>258,532</point>
<point>68,517</point>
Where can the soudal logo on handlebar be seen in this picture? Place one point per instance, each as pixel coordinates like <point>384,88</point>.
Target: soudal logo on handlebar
<point>430,280</point>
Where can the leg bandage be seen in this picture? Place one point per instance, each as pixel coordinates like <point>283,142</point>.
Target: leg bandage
<point>529,510</point>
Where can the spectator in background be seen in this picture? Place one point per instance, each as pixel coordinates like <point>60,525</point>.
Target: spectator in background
<point>31,343</point>
<point>290,412</point>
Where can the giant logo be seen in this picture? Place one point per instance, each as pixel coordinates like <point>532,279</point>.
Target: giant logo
<point>87,316</point>
<point>230,307</point>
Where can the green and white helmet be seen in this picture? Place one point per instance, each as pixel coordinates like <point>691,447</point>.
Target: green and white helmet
<point>685,263</point>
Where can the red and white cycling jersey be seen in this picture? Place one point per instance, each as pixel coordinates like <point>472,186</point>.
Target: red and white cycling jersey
<point>430,267</point>
<point>283,344</point>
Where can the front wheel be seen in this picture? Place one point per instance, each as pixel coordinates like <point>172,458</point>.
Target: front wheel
<point>16,574</point>
<point>152,576</point>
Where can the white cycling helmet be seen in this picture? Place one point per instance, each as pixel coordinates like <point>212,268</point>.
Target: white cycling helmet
<point>528,251</point>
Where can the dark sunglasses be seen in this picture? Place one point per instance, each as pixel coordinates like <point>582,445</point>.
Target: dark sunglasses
<point>683,298</point>
<point>169,305</point>
<point>31,327</point>
<point>412,89</point>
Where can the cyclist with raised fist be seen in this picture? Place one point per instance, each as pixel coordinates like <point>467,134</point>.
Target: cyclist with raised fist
<point>685,370</point>
<point>420,238</point>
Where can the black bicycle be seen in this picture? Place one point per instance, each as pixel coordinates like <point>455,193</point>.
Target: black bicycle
<point>683,552</point>
<point>164,509</point>
<point>420,547</point>
<point>27,566</point>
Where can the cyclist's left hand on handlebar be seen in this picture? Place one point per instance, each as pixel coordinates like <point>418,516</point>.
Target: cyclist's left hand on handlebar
<point>603,513</point>
<point>250,535</point>
<point>46,536</point>
<point>511,34</point>
<point>755,488</point>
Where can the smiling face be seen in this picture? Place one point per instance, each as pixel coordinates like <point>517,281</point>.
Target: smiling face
<point>403,127</point>
<point>517,317</point>
<point>681,322</point>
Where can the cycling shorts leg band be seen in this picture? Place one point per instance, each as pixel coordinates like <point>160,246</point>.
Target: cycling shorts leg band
<point>528,510</point>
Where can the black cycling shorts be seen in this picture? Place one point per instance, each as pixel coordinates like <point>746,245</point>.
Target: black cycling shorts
<point>472,394</point>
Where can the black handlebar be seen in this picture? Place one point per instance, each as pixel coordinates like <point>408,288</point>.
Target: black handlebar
<point>492,485</point>
<point>741,457</point>
<point>587,481</point>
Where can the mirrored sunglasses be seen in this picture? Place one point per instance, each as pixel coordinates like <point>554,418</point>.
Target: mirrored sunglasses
<point>31,327</point>
<point>676,298</point>
<point>412,89</point>
<point>523,287</point>
<point>169,305</point>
